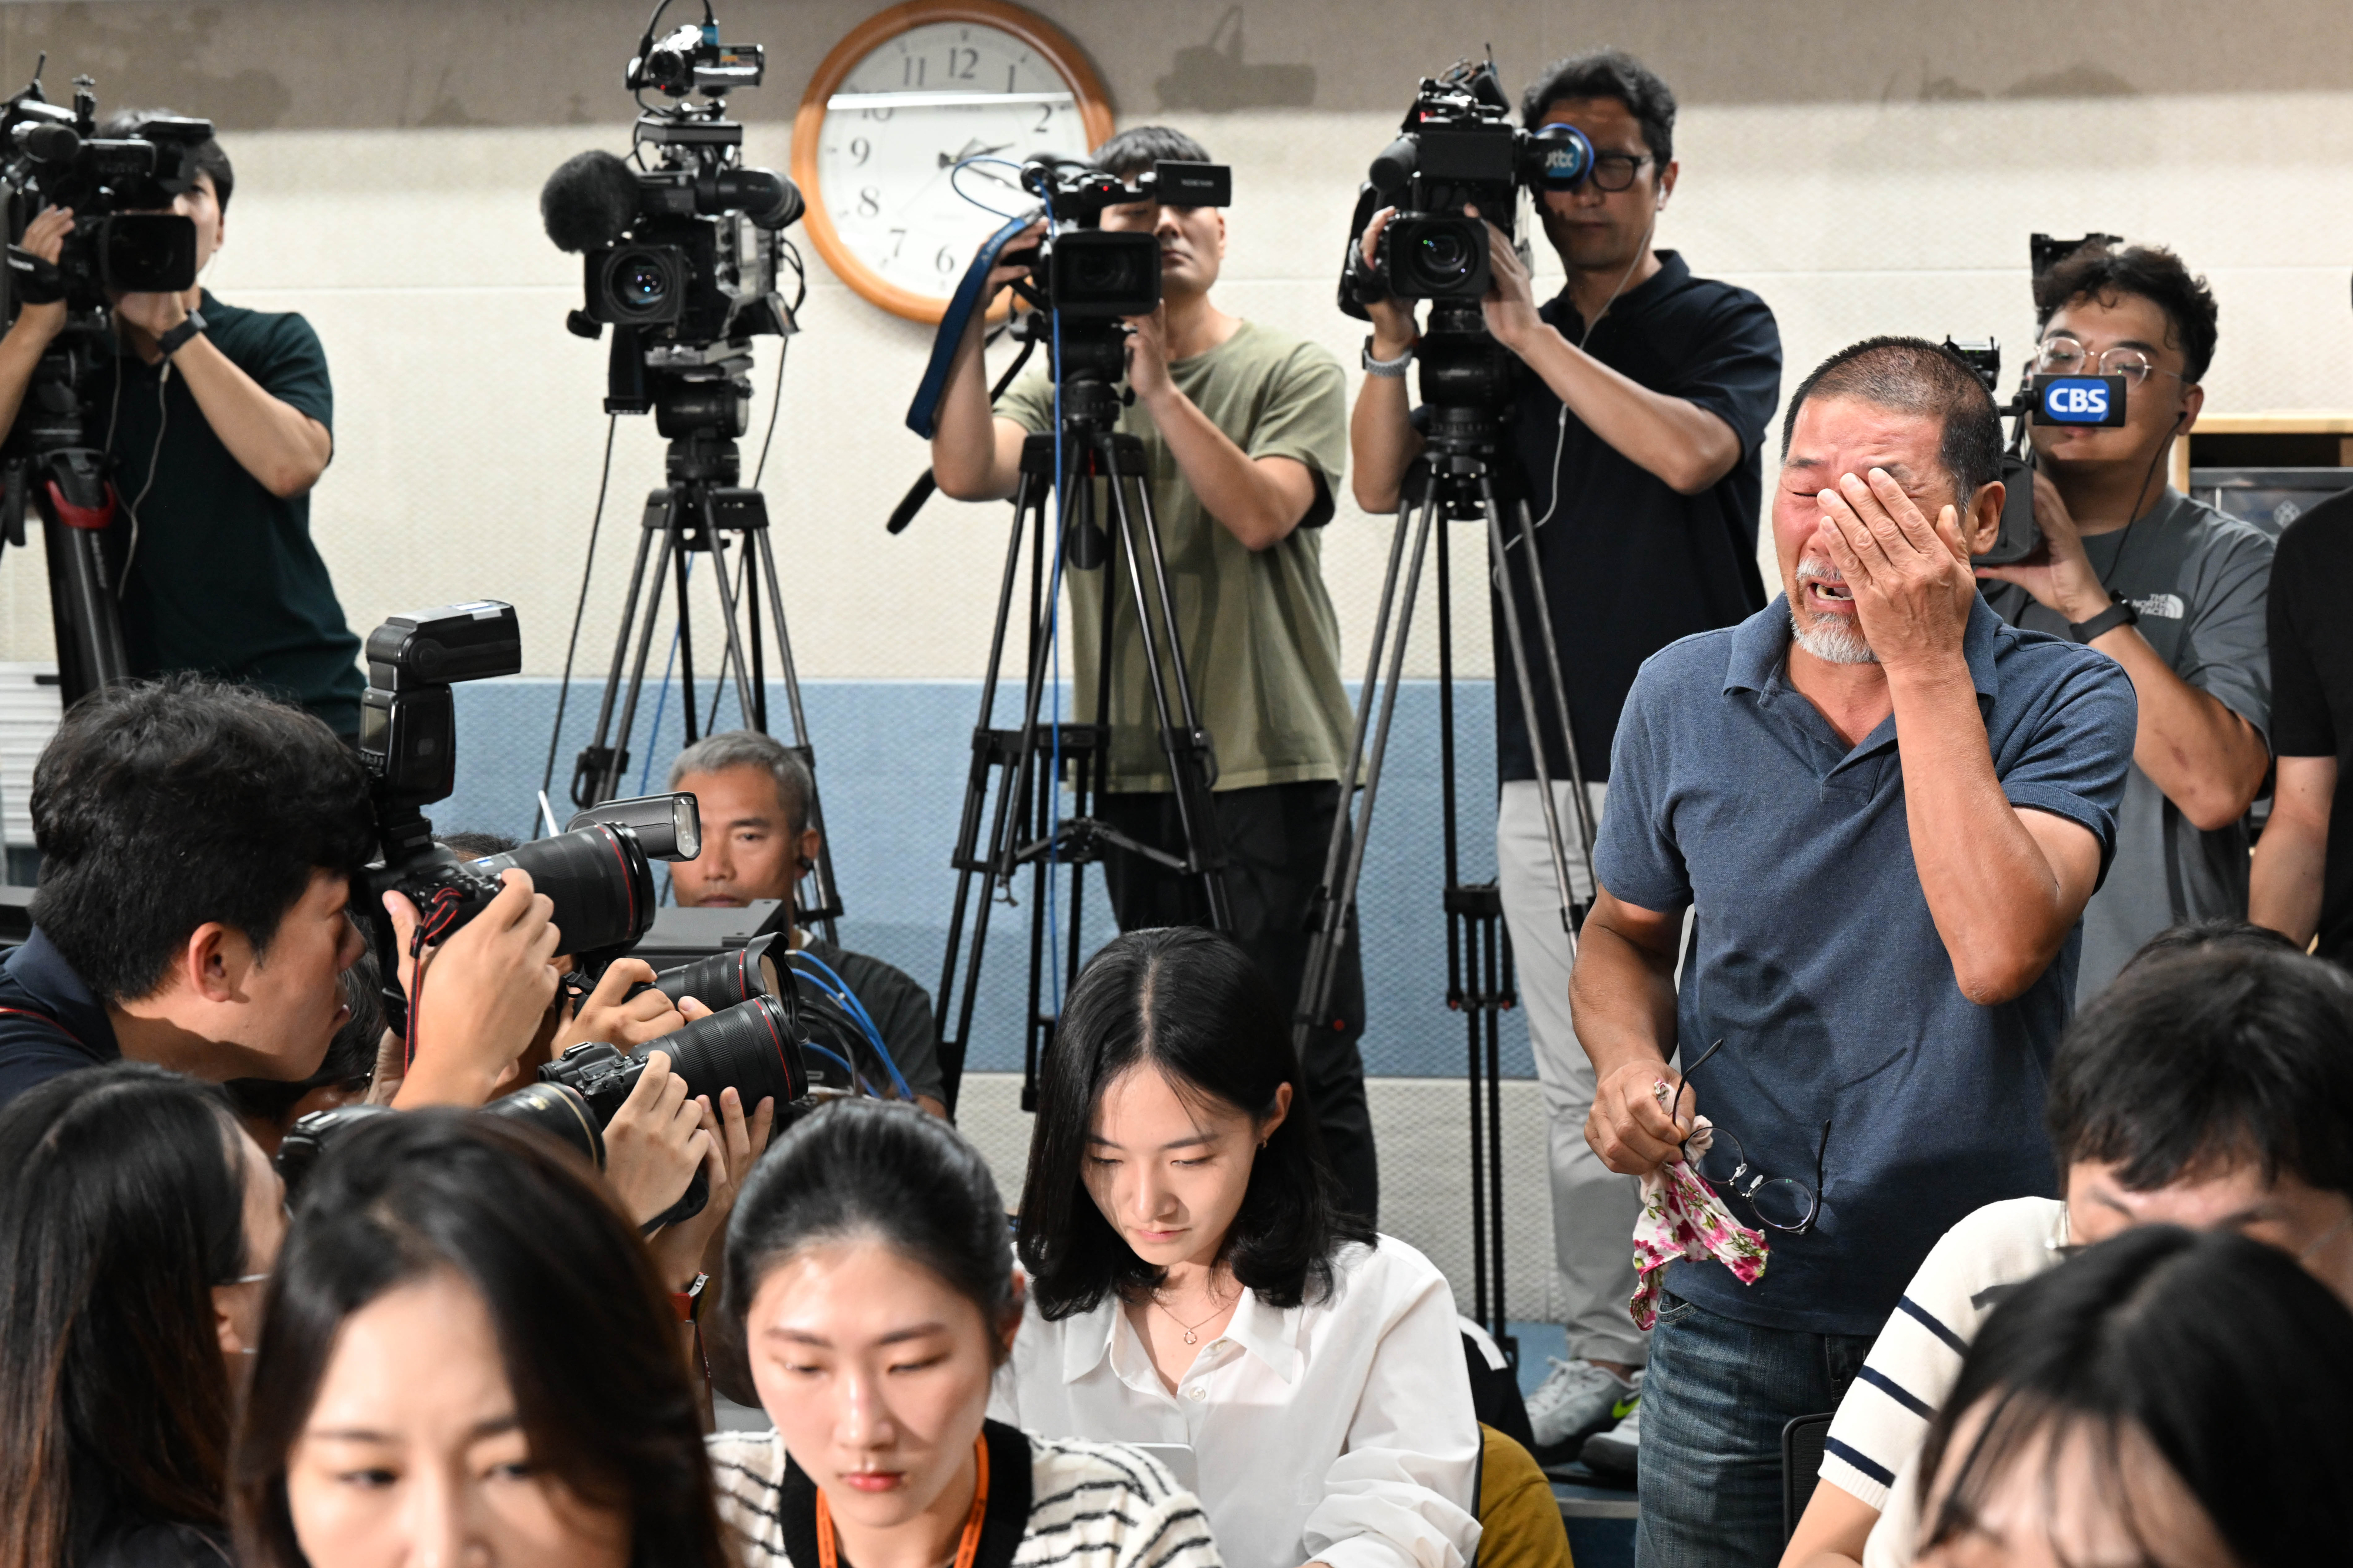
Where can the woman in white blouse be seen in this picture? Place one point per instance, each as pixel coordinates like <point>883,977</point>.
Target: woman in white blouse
<point>1192,1282</point>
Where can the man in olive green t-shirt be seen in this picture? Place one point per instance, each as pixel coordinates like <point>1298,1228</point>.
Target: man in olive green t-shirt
<point>1244,431</point>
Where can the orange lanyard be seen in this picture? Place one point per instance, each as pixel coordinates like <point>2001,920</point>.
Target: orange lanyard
<point>967,1547</point>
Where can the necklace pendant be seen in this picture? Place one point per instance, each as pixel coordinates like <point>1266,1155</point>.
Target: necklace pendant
<point>1189,1337</point>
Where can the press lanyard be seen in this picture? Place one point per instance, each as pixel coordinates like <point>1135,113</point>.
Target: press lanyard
<point>967,1547</point>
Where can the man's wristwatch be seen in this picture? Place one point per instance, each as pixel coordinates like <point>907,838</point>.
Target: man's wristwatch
<point>1391,369</point>
<point>2120,614</point>
<point>176,340</point>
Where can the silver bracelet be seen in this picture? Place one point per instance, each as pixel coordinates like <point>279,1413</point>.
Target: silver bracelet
<point>1390,369</point>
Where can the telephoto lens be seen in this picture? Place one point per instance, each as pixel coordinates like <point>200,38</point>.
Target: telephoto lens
<point>551,1108</point>
<point>727,979</point>
<point>749,1047</point>
<point>599,879</point>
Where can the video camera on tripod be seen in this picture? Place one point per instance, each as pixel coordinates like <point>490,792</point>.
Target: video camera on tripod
<point>2042,398</point>
<point>679,259</point>
<point>52,459</point>
<point>1457,148</point>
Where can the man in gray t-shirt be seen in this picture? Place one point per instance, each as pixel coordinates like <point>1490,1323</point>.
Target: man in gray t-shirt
<point>2172,590</point>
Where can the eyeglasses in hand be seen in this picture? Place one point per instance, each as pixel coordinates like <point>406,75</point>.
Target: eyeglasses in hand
<point>1781,1202</point>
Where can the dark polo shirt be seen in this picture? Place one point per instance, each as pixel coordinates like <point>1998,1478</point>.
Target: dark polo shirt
<point>1815,959</point>
<point>50,1023</point>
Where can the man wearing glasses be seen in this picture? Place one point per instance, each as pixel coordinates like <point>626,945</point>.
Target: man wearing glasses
<point>1886,810</point>
<point>2170,588</point>
<point>1641,398</point>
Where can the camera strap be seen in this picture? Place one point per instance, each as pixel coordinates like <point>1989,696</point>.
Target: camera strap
<point>923,415</point>
<point>967,1544</point>
<point>43,1017</point>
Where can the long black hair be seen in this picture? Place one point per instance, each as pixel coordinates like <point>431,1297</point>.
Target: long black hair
<point>2229,1359</point>
<point>881,1169</point>
<point>1191,1004</point>
<point>121,1206</point>
<point>587,1335</point>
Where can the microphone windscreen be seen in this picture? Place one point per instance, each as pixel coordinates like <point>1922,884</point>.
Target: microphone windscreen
<point>590,201</point>
<point>49,144</point>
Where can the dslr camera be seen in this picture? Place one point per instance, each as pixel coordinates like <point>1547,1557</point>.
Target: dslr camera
<point>597,874</point>
<point>53,460</point>
<point>680,258</point>
<point>1456,148</point>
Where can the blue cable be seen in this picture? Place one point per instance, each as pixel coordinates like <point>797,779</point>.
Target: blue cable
<point>1054,652</point>
<point>848,1000</point>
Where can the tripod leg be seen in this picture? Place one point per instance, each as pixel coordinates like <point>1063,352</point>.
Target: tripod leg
<point>1188,763</point>
<point>1340,886</point>
<point>727,612</point>
<point>1519,649</point>
<point>603,785</point>
<point>612,785</point>
<point>785,667</point>
<point>1581,807</point>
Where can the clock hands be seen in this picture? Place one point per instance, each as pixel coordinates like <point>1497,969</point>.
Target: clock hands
<point>973,148</point>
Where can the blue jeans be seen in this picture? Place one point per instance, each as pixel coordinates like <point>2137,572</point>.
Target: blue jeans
<point>1713,1403</point>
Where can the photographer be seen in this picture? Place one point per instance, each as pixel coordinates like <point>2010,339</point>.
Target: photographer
<point>218,426</point>
<point>1244,436</point>
<point>1886,810</point>
<point>1642,397</point>
<point>2170,588</point>
<point>198,844</point>
<point>758,843</point>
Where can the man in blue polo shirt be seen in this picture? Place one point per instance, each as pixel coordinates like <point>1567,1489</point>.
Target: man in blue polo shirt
<point>1888,809</point>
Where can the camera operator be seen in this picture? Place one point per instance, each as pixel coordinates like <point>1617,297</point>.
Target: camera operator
<point>1243,432</point>
<point>2301,879</point>
<point>1641,398</point>
<point>2168,587</point>
<point>754,791</point>
<point>198,842</point>
<point>219,424</point>
<point>1887,809</point>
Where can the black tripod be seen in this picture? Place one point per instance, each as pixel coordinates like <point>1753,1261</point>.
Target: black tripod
<point>701,511</point>
<point>53,466</point>
<point>1028,764</point>
<point>1462,376</point>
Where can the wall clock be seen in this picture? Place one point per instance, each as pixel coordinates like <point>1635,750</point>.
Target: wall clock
<point>908,94</point>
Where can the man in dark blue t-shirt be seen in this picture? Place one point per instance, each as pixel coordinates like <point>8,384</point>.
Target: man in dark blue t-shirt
<point>219,422</point>
<point>1641,394</point>
<point>1887,809</point>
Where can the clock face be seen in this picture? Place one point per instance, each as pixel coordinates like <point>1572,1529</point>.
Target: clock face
<point>904,116</point>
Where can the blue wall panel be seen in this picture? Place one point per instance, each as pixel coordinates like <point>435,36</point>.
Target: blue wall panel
<point>891,758</point>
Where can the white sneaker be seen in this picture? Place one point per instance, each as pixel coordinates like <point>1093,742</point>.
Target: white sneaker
<point>1576,1399</point>
<point>1616,1451</point>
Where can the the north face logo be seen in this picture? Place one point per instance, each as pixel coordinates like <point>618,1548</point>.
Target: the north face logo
<point>2166,606</point>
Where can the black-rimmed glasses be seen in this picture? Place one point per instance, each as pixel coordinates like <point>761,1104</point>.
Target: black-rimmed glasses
<point>1780,1203</point>
<point>1616,171</point>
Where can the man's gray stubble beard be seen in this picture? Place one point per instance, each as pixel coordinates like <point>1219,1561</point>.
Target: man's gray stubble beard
<point>1832,640</point>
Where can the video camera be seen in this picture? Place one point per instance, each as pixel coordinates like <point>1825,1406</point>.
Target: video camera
<point>121,243</point>
<point>1084,280</point>
<point>2097,401</point>
<point>679,259</point>
<point>1457,148</point>
<point>52,156</point>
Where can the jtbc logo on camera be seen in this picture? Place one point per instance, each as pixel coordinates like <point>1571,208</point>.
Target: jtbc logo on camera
<point>2096,400</point>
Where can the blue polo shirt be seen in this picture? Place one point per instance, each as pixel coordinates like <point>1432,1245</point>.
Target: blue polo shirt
<point>1814,957</point>
<point>51,1025</point>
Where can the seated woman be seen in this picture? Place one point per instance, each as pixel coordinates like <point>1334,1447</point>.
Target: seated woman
<point>1192,1283</point>
<point>867,1266</point>
<point>137,1222</point>
<point>468,1358</point>
<point>2166,1398</point>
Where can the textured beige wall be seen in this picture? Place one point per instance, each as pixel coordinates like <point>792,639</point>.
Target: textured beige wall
<point>1833,160</point>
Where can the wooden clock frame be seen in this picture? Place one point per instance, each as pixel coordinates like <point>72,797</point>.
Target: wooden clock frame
<point>1049,42</point>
